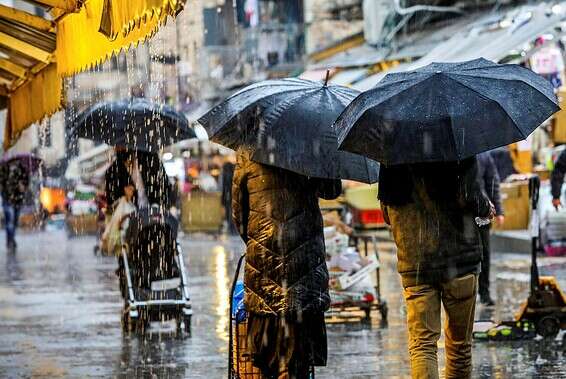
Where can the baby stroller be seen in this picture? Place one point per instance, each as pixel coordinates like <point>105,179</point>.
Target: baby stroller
<point>152,274</point>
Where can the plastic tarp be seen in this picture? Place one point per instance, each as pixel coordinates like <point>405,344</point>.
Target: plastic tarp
<point>82,37</point>
<point>486,38</point>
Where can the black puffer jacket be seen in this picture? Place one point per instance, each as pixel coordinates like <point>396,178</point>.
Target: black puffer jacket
<point>277,214</point>
<point>431,209</point>
<point>558,173</point>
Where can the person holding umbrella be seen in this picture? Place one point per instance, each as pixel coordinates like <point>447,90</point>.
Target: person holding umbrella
<point>14,182</point>
<point>286,158</point>
<point>15,171</point>
<point>557,179</point>
<point>139,130</point>
<point>425,127</point>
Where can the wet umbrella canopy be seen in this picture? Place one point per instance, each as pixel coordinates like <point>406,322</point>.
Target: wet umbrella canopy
<point>28,161</point>
<point>288,124</point>
<point>135,124</point>
<point>446,112</point>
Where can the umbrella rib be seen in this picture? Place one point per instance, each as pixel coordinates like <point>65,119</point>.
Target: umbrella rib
<point>343,132</point>
<point>242,111</point>
<point>491,100</point>
<point>509,80</point>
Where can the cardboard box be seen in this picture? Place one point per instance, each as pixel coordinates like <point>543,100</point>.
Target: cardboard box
<point>515,198</point>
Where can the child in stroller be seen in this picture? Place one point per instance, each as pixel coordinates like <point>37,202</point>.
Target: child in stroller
<point>152,274</point>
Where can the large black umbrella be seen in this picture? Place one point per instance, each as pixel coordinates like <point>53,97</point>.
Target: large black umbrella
<point>288,124</point>
<point>445,112</point>
<point>136,124</point>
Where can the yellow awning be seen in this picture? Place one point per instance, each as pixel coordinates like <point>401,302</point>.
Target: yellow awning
<point>120,17</point>
<point>36,52</point>
<point>81,44</point>
<point>37,98</point>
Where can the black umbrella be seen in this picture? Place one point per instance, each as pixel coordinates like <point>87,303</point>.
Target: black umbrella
<point>288,124</point>
<point>135,124</point>
<point>445,112</point>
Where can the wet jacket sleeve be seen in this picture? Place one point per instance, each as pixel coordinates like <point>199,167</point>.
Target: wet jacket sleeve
<point>470,196</point>
<point>557,178</point>
<point>240,199</point>
<point>492,184</point>
<point>327,189</point>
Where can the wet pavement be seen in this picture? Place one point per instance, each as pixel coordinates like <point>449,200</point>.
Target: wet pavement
<point>60,318</point>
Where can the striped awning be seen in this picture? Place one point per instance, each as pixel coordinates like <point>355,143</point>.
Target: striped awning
<point>74,35</point>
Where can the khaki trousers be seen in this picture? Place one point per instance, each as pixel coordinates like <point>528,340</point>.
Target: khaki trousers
<point>423,317</point>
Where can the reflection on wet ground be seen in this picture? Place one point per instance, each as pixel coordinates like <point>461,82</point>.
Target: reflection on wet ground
<point>60,305</point>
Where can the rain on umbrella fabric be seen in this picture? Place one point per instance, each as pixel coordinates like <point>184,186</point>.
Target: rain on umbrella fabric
<point>288,124</point>
<point>446,112</point>
<point>135,124</point>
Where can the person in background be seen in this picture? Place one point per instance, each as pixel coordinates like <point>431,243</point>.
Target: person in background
<point>503,161</point>
<point>285,278</point>
<point>557,179</point>
<point>431,208</point>
<point>146,172</point>
<point>116,178</point>
<point>14,182</point>
<point>226,185</point>
<point>488,180</point>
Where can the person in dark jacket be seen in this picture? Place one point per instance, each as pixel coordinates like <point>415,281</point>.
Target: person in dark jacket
<point>488,180</point>
<point>286,279</point>
<point>557,179</point>
<point>431,209</point>
<point>14,182</point>
<point>226,185</point>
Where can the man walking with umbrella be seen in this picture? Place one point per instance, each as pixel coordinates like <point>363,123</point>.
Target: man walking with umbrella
<point>431,208</point>
<point>426,127</point>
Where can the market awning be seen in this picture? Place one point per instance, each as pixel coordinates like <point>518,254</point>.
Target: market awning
<point>109,26</point>
<point>36,52</point>
<point>28,76</point>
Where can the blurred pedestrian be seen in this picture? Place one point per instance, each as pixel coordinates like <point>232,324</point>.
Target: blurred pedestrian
<point>14,182</point>
<point>557,179</point>
<point>286,280</point>
<point>431,208</point>
<point>226,186</point>
<point>489,183</point>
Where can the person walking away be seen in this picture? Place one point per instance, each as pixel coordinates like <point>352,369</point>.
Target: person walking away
<point>226,185</point>
<point>489,183</point>
<point>14,183</point>
<point>285,277</point>
<point>557,179</point>
<point>431,208</point>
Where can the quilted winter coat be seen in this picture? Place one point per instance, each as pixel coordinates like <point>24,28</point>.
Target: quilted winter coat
<point>277,214</point>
